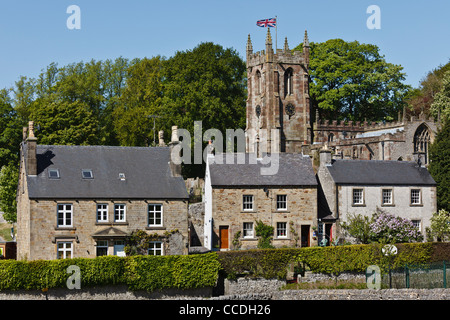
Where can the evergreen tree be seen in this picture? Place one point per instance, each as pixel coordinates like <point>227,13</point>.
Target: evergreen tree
<point>440,165</point>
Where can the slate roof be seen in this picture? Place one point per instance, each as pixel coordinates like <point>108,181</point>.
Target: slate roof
<point>147,173</point>
<point>293,170</point>
<point>377,172</point>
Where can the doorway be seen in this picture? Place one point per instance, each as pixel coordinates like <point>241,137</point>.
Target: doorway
<point>223,237</point>
<point>328,233</point>
<point>305,236</point>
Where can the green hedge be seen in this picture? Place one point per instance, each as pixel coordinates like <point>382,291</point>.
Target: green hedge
<point>138,272</point>
<point>150,273</point>
<point>202,270</point>
<point>271,263</point>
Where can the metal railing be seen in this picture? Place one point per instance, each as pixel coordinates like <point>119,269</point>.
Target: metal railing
<point>433,275</point>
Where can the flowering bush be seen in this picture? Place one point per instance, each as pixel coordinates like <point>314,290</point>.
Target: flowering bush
<point>388,228</point>
<point>440,225</point>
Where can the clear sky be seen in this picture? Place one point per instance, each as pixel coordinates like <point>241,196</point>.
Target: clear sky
<point>414,33</point>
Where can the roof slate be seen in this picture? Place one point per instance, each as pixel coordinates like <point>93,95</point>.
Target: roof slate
<point>293,170</point>
<point>147,173</point>
<point>377,172</point>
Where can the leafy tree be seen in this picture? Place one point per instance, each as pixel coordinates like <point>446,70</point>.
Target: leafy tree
<point>204,84</point>
<point>9,176</point>
<point>10,131</point>
<point>440,165</point>
<point>65,123</point>
<point>358,227</point>
<point>140,98</point>
<point>353,81</point>
<point>441,102</point>
<point>421,99</point>
<point>440,225</point>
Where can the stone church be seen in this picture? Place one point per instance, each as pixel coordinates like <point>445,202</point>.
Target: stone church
<point>280,116</point>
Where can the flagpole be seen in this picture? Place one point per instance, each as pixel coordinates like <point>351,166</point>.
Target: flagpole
<point>276,34</point>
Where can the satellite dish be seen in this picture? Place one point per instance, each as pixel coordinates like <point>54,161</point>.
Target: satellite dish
<point>389,250</point>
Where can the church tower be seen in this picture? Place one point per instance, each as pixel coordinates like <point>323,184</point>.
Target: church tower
<point>278,104</point>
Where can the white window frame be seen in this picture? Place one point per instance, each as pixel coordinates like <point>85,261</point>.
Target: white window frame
<point>67,247</point>
<point>66,213</point>
<point>247,202</point>
<point>281,203</point>
<point>102,212</point>
<point>418,197</point>
<point>417,223</point>
<point>387,194</point>
<point>247,230</point>
<point>155,247</point>
<point>120,213</point>
<point>154,212</point>
<point>281,226</point>
<point>361,202</point>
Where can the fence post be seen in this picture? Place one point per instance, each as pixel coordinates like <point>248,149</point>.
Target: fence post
<point>407,276</point>
<point>445,275</point>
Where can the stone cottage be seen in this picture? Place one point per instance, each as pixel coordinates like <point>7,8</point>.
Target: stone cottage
<point>400,188</point>
<point>237,195</point>
<point>83,201</point>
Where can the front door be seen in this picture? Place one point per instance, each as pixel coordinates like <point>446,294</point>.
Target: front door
<point>329,233</point>
<point>305,236</point>
<point>223,231</point>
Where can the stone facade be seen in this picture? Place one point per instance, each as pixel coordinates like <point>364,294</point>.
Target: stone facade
<point>299,218</point>
<point>278,98</point>
<point>398,140</point>
<point>44,234</point>
<point>337,203</point>
<point>401,206</point>
<point>51,227</point>
<point>280,117</point>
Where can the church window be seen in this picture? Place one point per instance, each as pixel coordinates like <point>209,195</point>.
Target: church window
<point>288,82</point>
<point>258,82</point>
<point>331,137</point>
<point>422,141</point>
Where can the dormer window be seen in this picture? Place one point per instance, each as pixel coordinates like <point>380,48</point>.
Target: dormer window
<point>122,176</point>
<point>53,174</point>
<point>87,174</point>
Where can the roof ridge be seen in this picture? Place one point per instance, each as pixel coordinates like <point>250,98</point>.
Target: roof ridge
<point>98,146</point>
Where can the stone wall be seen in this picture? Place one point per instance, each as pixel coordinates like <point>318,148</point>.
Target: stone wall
<point>44,232</point>
<point>252,293</point>
<point>228,211</point>
<point>196,223</point>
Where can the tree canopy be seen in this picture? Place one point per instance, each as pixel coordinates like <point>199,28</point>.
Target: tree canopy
<point>353,81</point>
<point>440,165</point>
<point>421,99</point>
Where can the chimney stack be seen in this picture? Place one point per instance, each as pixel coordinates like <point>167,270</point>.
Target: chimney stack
<point>31,142</point>
<point>175,159</point>
<point>161,138</point>
<point>325,156</point>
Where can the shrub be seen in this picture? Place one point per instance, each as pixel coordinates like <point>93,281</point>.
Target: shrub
<point>331,260</point>
<point>138,272</point>
<point>387,228</point>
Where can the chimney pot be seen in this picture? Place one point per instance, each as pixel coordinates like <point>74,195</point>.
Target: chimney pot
<point>31,143</point>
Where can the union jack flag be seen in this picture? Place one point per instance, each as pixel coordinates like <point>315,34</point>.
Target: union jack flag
<point>267,23</point>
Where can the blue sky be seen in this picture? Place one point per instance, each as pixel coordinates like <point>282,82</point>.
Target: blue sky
<point>414,34</point>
